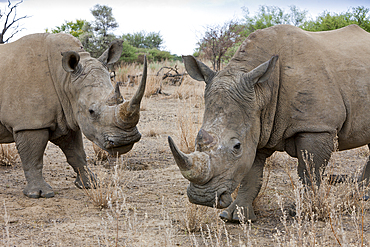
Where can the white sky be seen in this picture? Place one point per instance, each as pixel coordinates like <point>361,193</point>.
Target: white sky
<point>180,22</point>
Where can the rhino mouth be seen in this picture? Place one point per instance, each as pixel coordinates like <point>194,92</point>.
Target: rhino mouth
<point>206,197</point>
<point>121,144</point>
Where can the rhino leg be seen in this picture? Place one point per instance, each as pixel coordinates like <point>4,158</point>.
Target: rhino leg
<point>313,152</point>
<point>248,191</point>
<point>31,145</point>
<point>365,176</point>
<point>72,147</point>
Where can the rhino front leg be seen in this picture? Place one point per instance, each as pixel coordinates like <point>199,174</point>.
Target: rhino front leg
<point>248,191</point>
<point>31,146</point>
<point>313,152</point>
<point>72,147</point>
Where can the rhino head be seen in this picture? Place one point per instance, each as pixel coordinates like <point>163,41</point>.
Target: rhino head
<point>225,147</point>
<point>99,109</point>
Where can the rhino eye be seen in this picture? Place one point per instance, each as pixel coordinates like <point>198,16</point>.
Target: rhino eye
<point>91,111</point>
<point>237,146</point>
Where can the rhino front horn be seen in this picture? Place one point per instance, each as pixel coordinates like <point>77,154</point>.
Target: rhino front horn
<point>128,112</point>
<point>136,99</point>
<point>195,167</point>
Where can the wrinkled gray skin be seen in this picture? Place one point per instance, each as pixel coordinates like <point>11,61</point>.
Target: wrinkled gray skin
<point>56,92</point>
<point>314,91</point>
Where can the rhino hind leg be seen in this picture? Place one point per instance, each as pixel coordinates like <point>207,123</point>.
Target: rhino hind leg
<point>31,145</point>
<point>313,152</point>
<point>248,191</point>
<point>72,147</point>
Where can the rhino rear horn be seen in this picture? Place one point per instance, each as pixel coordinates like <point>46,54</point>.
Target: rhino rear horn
<point>70,61</point>
<point>117,97</point>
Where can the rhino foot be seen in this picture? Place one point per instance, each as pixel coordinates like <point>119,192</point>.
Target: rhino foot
<point>86,180</point>
<point>240,214</point>
<point>38,190</point>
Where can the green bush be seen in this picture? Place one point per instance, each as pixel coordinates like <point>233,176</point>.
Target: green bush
<point>129,53</point>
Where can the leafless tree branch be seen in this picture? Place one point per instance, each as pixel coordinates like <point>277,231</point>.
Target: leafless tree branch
<point>217,40</point>
<point>10,20</point>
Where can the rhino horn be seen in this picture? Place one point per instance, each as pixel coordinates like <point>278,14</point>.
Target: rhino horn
<point>128,113</point>
<point>136,99</point>
<point>117,97</point>
<point>195,167</point>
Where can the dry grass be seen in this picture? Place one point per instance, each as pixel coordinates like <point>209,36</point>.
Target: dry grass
<point>8,154</point>
<point>100,154</point>
<point>190,89</point>
<point>328,215</point>
<point>188,122</point>
<point>103,191</point>
<point>153,86</point>
<point>153,132</point>
<point>123,71</point>
<point>196,217</point>
<point>106,189</point>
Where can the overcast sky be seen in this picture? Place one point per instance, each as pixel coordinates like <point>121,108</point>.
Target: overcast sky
<point>179,22</point>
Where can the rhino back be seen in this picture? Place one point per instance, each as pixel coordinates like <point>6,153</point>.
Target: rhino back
<point>321,82</point>
<point>28,99</point>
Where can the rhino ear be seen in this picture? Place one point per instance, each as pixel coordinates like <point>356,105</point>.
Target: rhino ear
<point>198,70</point>
<point>70,61</point>
<point>262,73</point>
<point>113,53</point>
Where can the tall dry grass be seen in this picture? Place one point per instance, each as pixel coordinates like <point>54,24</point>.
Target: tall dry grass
<point>99,154</point>
<point>154,83</point>
<point>190,90</point>
<point>8,154</point>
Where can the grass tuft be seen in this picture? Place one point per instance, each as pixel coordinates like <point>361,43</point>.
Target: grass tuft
<point>8,154</point>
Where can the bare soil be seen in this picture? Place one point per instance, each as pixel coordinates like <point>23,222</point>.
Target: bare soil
<point>154,210</point>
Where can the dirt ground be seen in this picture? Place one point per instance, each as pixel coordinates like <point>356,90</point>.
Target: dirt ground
<point>153,212</point>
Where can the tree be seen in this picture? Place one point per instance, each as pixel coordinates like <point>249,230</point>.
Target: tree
<point>217,40</point>
<point>330,21</point>
<point>361,17</point>
<point>129,53</point>
<point>144,40</point>
<point>11,22</point>
<point>296,17</point>
<point>97,35</point>
<point>268,16</point>
<point>73,28</point>
<point>104,20</point>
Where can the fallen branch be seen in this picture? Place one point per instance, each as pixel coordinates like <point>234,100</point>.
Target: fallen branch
<point>175,78</point>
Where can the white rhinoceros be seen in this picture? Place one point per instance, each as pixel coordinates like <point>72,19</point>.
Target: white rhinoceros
<point>51,89</point>
<point>285,89</point>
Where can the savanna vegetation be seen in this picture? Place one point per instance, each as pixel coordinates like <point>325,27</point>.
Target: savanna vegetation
<point>218,43</point>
